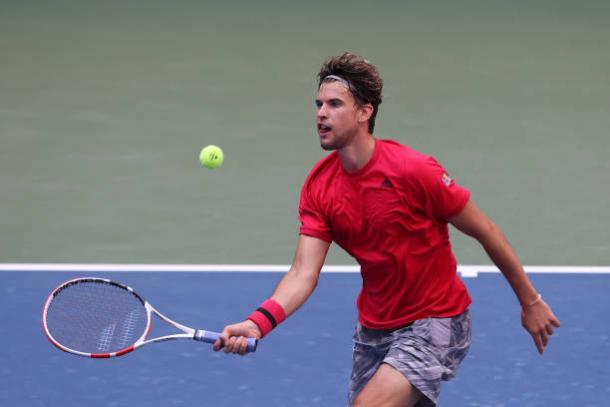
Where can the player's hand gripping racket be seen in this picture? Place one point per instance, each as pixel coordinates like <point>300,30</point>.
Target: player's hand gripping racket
<point>99,318</point>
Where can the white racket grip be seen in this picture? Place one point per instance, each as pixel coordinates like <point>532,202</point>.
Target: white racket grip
<point>211,337</point>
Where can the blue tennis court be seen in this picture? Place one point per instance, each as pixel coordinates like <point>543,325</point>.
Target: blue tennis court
<point>306,362</point>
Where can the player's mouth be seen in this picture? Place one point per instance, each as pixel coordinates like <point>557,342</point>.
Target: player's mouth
<point>323,129</point>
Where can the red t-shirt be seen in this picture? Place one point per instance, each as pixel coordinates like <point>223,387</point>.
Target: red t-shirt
<point>391,216</point>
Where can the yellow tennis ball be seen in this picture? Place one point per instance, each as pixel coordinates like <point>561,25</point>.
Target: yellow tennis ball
<point>211,157</point>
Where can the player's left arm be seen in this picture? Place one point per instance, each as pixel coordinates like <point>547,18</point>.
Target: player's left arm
<point>537,317</point>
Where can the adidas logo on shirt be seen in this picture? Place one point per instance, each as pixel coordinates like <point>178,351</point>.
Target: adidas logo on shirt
<point>386,183</point>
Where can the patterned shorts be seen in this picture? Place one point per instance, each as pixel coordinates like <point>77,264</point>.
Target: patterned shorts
<point>426,352</point>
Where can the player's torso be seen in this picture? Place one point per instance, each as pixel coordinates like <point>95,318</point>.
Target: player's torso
<point>383,216</point>
<point>377,216</point>
<point>372,207</point>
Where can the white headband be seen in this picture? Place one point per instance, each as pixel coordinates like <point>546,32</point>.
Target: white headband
<point>338,79</point>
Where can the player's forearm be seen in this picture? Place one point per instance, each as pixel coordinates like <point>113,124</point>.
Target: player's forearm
<point>295,288</point>
<point>300,281</point>
<point>504,257</point>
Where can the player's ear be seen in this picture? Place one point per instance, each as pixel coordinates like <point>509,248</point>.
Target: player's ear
<point>365,112</point>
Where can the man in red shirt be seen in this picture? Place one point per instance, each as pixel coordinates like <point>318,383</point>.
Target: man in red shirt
<point>389,207</point>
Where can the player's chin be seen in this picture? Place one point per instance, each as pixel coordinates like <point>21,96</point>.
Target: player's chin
<point>327,144</point>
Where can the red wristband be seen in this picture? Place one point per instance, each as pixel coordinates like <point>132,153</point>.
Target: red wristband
<point>269,315</point>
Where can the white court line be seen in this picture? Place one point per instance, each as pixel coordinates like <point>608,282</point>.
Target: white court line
<point>464,270</point>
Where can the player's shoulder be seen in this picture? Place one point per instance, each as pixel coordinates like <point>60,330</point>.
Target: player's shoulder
<point>324,169</point>
<point>409,159</point>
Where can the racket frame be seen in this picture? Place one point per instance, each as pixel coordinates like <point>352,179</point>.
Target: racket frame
<point>188,333</point>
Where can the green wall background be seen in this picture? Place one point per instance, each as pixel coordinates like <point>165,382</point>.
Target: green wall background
<point>105,105</point>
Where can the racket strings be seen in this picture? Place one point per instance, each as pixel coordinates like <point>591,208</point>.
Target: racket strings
<point>96,317</point>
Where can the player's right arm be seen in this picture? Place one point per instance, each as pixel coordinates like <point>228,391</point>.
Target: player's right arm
<point>291,292</point>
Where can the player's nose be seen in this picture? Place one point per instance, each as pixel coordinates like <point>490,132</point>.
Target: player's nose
<point>321,112</point>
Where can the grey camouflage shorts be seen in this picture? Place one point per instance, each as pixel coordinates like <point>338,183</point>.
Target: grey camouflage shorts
<point>426,352</point>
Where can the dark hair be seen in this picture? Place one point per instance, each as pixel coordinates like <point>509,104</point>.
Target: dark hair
<point>364,82</point>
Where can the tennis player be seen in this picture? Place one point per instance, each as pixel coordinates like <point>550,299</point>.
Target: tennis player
<point>389,207</point>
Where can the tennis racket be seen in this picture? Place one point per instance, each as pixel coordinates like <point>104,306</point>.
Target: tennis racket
<point>100,318</point>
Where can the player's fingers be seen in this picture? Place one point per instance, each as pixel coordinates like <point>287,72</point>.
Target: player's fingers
<point>538,342</point>
<point>222,339</point>
<point>237,345</point>
<point>243,346</point>
<point>217,345</point>
<point>230,345</point>
<point>544,336</point>
<point>555,322</point>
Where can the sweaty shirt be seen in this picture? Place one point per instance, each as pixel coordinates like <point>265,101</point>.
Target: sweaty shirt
<point>391,216</point>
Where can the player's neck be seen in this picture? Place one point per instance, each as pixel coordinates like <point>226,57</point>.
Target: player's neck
<point>357,154</point>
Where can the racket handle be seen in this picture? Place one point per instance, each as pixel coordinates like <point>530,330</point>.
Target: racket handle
<point>211,337</point>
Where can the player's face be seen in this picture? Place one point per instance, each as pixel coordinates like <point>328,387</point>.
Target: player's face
<point>336,117</point>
